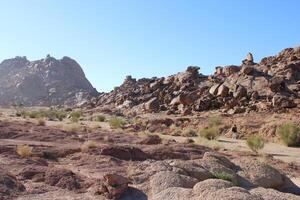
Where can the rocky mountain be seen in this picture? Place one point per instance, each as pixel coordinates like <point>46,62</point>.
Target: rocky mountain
<point>43,82</point>
<point>271,84</point>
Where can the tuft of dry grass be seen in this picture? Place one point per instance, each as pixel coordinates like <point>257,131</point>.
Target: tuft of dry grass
<point>41,122</point>
<point>213,144</point>
<point>210,133</point>
<point>116,122</point>
<point>24,151</point>
<point>72,128</point>
<point>90,144</point>
<point>189,132</point>
<point>255,143</point>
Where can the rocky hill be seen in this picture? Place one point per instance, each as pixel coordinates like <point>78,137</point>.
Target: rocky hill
<point>43,82</point>
<point>271,84</point>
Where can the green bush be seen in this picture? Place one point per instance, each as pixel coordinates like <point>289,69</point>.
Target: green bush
<point>255,143</point>
<point>210,133</point>
<point>49,114</point>
<point>224,176</point>
<point>75,116</point>
<point>289,134</point>
<point>116,122</point>
<point>100,118</point>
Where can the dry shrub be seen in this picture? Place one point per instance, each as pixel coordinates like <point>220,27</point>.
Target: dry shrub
<point>255,143</point>
<point>116,122</point>
<point>210,133</point>
<point>88,145</point>
<point>73,128</point>
<point>100,118</point>
<point>41,122</point>
<point>189,132</point>
<point>289,134</point>
<point>24,151</point>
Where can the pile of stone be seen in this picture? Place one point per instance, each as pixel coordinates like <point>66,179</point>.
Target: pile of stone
<point>272,84</point>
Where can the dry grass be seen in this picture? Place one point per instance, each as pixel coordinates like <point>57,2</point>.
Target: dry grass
<point>213,144</point>
<point>255,143</point>
<point>24,151</point>
<point>210,133</point>
<point>189,132</point>
<point>41,122</point>
<point>90,144</point>
<point>116,122</point>
<point>72,128</point>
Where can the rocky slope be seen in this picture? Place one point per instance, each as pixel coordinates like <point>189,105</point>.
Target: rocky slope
<point>43,82</point>
<point>271,84</point>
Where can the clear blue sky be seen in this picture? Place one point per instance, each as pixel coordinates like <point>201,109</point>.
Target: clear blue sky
<point>144,38</point>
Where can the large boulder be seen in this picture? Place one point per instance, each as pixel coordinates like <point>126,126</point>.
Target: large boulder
<point>281,101</point>
<point>193,169</point>
<point>223,91</point>
<point>214,89</point>
<point>113,186</point>
<point>152,105</point>
<point>62,178</point>
<point>254,173</point>
<point>211,189</point>
<point>271,194</point>
<point>166,179</point>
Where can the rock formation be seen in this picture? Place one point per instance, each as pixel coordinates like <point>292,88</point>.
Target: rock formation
<point>43,82</point>
<point>274,84</point>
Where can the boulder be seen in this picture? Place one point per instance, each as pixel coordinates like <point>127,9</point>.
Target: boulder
<point>281,101</point>
<point>193,169</point>
<point>152,105</point>
<point>240,92</point>
<point>124,153</point>
<point>62,178</point>
<point>214,89</point>
<point>151,139</point>
<point>113,186</point>
<point>254,173</point>
<point>223,91</point>
<point>166,179</point>
<point>247,70</point>
<point>271,194</point>
<point>231,69</point>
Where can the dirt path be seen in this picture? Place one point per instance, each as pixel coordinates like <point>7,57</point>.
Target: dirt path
<point>278,151</point>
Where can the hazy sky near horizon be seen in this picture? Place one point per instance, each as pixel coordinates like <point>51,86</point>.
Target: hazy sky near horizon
<point>114,38</point>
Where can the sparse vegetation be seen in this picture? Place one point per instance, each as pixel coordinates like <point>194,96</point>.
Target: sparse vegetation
<point>24,151</point>
<point>100,118</point>
<point>255,143</point>
<point>116,122</point>
<point>224,176</point>
<point>50,114</point>
<point>289,134</point>
<point>210,133</point>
